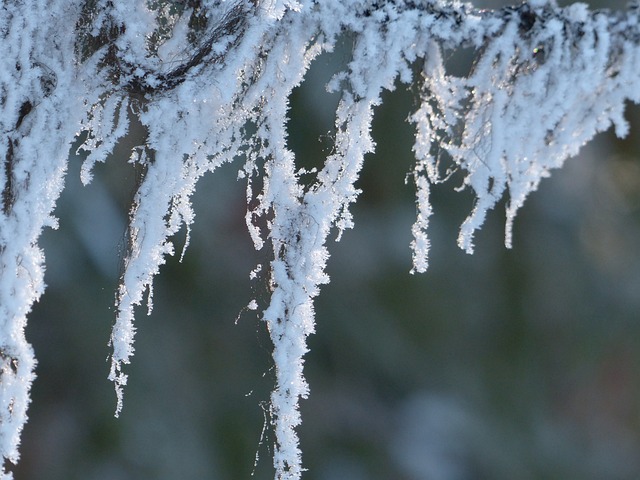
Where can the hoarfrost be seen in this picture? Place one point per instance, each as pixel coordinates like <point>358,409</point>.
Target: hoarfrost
<point>210,85</point>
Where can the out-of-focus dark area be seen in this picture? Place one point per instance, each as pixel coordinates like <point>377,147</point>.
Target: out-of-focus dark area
<point>508,364</point>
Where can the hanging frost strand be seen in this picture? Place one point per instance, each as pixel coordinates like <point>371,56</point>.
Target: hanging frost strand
<point>39,118</point>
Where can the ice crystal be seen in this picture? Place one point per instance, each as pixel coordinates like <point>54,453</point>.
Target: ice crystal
<point>210,85</point>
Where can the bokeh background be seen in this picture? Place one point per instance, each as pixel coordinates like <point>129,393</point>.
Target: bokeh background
<point>508,364</point>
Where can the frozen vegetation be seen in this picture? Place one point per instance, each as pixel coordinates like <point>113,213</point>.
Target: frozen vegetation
<point>209,81</point>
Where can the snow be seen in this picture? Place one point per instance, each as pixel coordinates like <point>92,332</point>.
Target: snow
<point>545,81</point>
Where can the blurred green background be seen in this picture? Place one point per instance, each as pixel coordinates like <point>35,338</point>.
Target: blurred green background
<point>508,364</point>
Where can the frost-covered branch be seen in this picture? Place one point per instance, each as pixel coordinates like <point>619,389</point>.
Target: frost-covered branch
<point>209,81</point>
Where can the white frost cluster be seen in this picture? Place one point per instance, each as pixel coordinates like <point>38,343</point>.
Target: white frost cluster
<point>38,119</point>
<point>210,85</point>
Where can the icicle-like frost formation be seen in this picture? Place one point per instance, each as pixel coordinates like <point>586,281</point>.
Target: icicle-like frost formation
<point>38,120</point>
<point>545,82</point>
<point>192,128</point>
<point>209,81</point>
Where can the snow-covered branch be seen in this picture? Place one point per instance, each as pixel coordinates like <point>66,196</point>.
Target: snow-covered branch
<point>209,80</point>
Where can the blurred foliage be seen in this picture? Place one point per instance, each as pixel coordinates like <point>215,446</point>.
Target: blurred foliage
<point>515,363</point>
